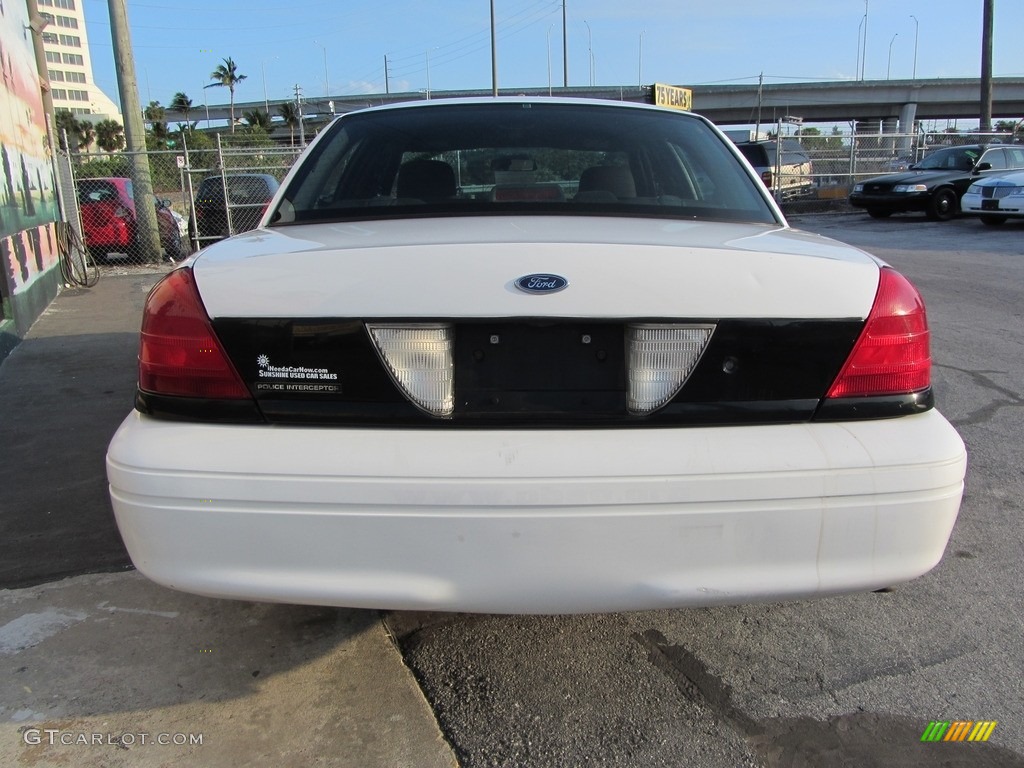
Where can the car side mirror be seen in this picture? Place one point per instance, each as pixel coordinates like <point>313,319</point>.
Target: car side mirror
<point>983,167</point>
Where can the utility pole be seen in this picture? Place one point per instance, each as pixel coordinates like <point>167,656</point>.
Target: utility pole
<point>494,55</point>
<point>565,50</point>
<point>760,86</point>
<point>298,108</point>
<point>37,23</point>
<point>985,125</point>
<point>387,84</point>
<point>134,131</point>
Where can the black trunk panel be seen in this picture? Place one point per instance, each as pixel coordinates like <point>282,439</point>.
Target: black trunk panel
<point>518,369</point>
<point>529,373</point>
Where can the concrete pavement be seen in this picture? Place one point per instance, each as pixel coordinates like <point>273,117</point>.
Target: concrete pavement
<point>99,666</point>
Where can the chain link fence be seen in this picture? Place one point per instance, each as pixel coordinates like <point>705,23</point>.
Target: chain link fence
<point>200,196</point>
<point>203,195</point>
<point>840,159</point>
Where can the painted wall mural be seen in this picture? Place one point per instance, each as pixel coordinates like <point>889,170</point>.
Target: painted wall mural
<point>28,202</point>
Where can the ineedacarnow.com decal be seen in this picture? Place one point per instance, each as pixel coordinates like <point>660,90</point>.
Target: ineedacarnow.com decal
<point>295,378</point>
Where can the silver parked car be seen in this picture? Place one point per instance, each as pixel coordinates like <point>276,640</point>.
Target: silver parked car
<point>788,176</point>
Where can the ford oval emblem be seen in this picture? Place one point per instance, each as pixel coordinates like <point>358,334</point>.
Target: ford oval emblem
<point>541,283</point>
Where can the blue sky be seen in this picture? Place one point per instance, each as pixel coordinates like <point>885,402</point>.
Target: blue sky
<point>343,43</point>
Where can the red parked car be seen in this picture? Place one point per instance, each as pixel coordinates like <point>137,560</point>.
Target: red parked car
<point>108,219</point>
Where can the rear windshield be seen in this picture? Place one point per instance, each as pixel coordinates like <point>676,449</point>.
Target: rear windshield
<point>755,153</point>
<point>525,157</point>
<point>241,189</point>
<point>761,155</point>
<point>99,191</point>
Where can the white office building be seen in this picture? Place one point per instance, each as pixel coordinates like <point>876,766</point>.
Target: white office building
<point>69,67</point>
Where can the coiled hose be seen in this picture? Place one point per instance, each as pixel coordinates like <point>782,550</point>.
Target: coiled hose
<point>76,263</point>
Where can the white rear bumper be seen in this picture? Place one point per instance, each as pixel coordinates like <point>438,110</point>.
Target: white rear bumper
<point>520,521</point>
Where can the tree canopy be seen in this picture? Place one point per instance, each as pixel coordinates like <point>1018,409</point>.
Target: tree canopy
<point>226,76</point>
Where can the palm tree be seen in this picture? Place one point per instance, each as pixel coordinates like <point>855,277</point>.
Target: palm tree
<point>257,118</point>
<point>291,118</point>
<point>154,113</point>
<point>86,135</point>
<point>109,135</point>
<point>227,76</point>
<point>182,103</point>
<point>156,137</point>
<point>67,127</point>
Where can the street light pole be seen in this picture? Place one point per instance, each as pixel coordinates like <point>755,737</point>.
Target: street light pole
<point>864,43</point>
<point>860,31</point>
<point>640,64</point>
<point>549,57</point>
<point>590,50</point>
<point>266,101</point>
<point>917,28</point>
<point>327,78</point>
<point>888,69</point>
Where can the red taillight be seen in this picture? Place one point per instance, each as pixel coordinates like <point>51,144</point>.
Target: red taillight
<point>179,354</point>
<point>891,356</point>
<point>766,177</point>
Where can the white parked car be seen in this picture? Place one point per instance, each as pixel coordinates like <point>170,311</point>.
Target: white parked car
<point>996,198</point>
<point>533,356</point>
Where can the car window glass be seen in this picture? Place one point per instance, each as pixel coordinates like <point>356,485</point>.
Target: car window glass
<point>997,158</point>
<point>509,157</point>
<point>951,159</point>
<point>247,188</point>
<point>94,191</point>
<point>756,154</point>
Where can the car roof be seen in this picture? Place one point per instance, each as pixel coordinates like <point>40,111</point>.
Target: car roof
<point>117,181</point>
<point>977,147</point>
<point>554,100</point>
<point>242,176</point>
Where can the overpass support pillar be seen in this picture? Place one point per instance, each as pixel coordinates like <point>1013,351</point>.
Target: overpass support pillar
<point>908,116</point>
<point>888,130</point>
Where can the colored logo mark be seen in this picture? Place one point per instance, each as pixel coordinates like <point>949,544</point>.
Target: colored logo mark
<point>958,730</point>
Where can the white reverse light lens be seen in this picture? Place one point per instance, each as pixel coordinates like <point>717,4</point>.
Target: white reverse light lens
<point>660,359</point>
<point>419,359</point>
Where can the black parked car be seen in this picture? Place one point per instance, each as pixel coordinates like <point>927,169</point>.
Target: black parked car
<point>935,184</point>
<point>248,197</point>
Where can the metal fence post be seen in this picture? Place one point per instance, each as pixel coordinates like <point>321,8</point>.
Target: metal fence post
<point>190,198</point>
<point>224,185</point>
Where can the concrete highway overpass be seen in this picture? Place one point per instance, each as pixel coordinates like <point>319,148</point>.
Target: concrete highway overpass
<point>821,102</point>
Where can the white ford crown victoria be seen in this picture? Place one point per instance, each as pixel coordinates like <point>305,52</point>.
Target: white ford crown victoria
<point>532,356</point>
